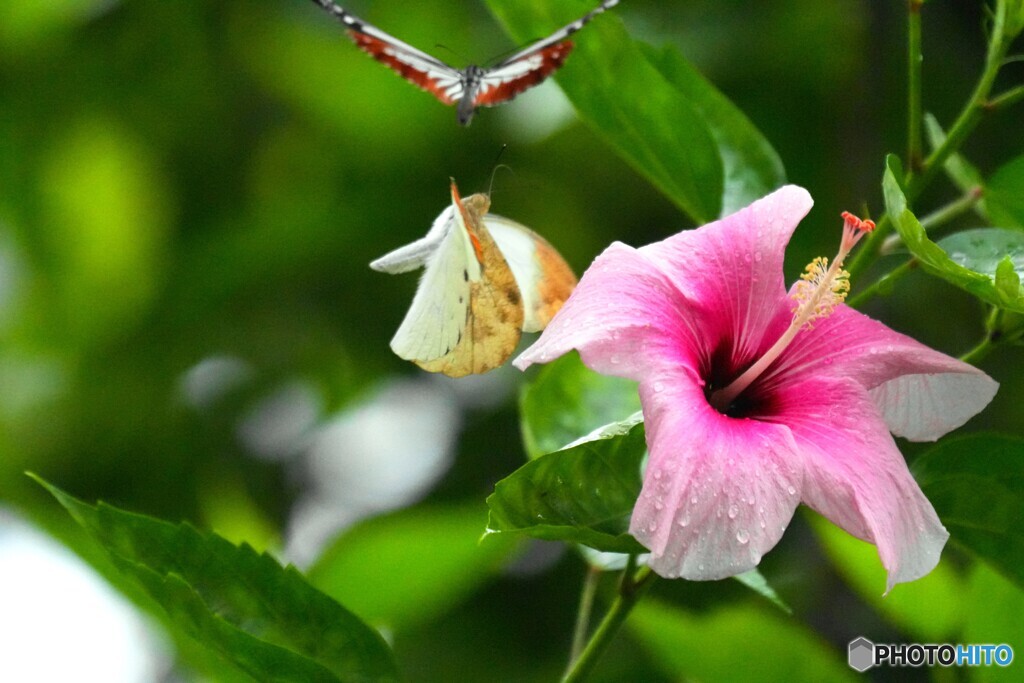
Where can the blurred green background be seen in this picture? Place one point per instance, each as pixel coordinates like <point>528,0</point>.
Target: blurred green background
<point>190,194</point>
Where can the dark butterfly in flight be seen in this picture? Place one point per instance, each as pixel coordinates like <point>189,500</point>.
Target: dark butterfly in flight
<point>472,87</point>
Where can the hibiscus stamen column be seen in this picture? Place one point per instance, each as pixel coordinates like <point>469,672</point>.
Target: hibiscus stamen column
<point>821,288</point>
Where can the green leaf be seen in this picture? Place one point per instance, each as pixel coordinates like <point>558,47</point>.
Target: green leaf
<point>424,560</point>
<point>1004,195</point>
<point>583,494</point>
<point>894,165</point>
<point>755,581</point>
<point>263,617</point>
<point>751,165</point>
<point>930,608</point>
<point>976,484</point>
<point>993,252</point>
<point>937,261</point>
<point>566,400</point>
<point>629,103</point>
<point>715,646</point>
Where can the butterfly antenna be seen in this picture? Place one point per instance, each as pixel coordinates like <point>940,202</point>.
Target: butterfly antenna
<point>495,172</point>
<point>439,46</point>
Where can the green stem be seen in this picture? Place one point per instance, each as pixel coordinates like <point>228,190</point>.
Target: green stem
<point>913,86</point>
<point>631,589</point>
<point>884,283</point>
<point>579,636</point>
<point>972,111</point>
<point>993,338</point>
<point>965,123</point>
<point>950,211</point>
<point>940,216</point>
<point>978,353</point>
<point>1006,99</point>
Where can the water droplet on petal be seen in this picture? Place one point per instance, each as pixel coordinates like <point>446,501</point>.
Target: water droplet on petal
<point>693,501</point>
<point>658,386</point>
<point>684,521</point>
<point>657,474</point>
<point>615,360</point>
<point>700,567</point>
<point>763,524</point>
<point>742,536</point>
<point>792,490</point>
<point>653,526</point>
<point>658,505</point>
<point>733,511</point>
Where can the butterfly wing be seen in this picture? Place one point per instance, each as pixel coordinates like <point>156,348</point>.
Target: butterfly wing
<point>494,320</point>
<point>505,81</point>
<point>437,317</point>
<point>531,65</point>
<point>422,70</point>
<point>416,254</point>
<point>545,280</point>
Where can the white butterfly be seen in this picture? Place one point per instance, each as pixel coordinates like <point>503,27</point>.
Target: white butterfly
<point>487,280</point>
<point>474,86</point>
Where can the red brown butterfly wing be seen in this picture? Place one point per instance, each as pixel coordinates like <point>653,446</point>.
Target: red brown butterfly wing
<point>508,80</point>
<point>440,80</point>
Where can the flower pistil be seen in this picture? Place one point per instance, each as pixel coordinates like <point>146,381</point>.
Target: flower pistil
<point>822,287</point>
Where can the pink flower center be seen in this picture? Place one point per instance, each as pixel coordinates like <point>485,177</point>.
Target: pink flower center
<point>821,288</point>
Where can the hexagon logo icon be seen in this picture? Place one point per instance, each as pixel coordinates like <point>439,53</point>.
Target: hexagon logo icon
<point>861,655</point>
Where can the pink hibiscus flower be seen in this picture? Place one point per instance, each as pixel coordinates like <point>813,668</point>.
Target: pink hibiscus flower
<point>736,443</point>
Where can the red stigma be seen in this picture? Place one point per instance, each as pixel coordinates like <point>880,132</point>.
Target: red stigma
<point>858,224</point>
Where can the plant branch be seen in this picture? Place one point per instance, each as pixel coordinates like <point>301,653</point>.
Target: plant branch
<point>1001,328</point>
<point>579,636</point>
<point>633,586</point>
<point>1006,99</point>
<point>978,353</point>
<point>939,217</point>
<point>914,58</point>
<point>972,111</point>
<point>976,106</point>
<point>884,284</point>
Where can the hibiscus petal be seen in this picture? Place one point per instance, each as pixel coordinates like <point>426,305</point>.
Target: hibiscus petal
<point>856,477</point>
<point>718,491</point>
<point>734,266</point>
<point>921,393</point>
<point>624,317</point>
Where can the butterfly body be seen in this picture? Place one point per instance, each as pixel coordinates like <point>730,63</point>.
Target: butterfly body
<point>486,280</point>
<point>474,86</point>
